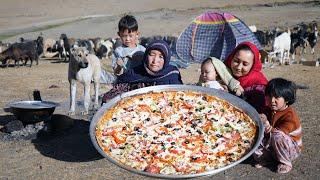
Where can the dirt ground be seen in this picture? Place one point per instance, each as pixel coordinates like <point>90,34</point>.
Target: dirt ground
<point>69,154</point>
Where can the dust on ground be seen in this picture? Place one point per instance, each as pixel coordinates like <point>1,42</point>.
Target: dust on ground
<point>69,154</point>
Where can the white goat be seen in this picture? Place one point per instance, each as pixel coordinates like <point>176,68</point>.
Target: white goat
<point>253,28</point>
<point>281,45</point>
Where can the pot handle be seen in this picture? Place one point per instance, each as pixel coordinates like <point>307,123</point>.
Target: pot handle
<point>7,109</point>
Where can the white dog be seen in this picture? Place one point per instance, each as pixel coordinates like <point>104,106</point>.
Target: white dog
<point>83,67</point>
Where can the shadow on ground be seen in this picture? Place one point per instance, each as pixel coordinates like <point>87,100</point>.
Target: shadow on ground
<point>55,61</point>
<point>272,166</point>
<point>68,140</point>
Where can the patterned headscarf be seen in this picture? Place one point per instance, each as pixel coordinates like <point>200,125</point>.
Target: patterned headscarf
<point>163,47</point>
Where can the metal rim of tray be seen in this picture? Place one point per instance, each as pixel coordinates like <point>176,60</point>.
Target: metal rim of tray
<point>237,102</point>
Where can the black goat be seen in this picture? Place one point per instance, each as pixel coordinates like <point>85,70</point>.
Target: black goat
<point>20,52</point>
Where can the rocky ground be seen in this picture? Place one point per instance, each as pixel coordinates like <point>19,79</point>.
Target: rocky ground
<point>68,153</point>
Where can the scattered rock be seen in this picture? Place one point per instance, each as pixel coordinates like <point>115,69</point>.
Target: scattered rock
<point>16,131</point>
<point>53,86</point>
<point>310,63</point>
<point>12,126</point>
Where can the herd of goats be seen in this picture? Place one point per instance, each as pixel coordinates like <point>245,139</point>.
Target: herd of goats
<point>283,44</point>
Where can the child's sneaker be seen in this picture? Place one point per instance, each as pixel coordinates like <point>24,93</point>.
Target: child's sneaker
<point>283,168</point>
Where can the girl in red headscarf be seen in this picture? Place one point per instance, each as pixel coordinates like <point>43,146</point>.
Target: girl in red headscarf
<point>246,67</point>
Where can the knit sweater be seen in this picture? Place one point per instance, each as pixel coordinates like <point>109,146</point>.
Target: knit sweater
<point>288,122</point>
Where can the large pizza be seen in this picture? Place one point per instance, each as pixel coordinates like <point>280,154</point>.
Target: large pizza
<point>175,132</point>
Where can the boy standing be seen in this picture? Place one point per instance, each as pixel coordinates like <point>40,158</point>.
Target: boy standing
<point>130,54</point>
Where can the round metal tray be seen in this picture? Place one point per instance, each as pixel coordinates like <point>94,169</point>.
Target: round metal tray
<point>241,104</point>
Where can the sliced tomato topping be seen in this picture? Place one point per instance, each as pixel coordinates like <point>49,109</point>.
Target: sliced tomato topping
<point>202,169</point>
<point>186,106</point>
<point>235,135</point>
<point>167,159</point>
<point>221,153</point>
<point>185,168</point>
<point>207,126</point>
<point>175,151</point>
<point>229,145</point>
<point>180,122</point>
<point>152,169</point>
<point>118,138</point>
<point>144,107</point>
<point>110,131</point>
<point>161,130</point>
<point>206,150</point>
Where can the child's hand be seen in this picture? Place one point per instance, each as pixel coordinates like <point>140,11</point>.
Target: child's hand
<point>265,122</point>
<point>239,91</point>
<point>120,62</point>
<point>225,88</point>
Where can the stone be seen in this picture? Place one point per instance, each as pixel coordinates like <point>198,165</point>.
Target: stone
<point>11,126</point>
<point>310,63</point>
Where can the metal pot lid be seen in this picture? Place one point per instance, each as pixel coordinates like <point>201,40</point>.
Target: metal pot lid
<point>33,104</point>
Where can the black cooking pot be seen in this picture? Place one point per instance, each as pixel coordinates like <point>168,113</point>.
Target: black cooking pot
<point>32,111</point>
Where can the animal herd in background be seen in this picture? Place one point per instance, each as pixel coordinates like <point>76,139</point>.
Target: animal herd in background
<point>283,44</point>
<point>49,48</point>
<point>24,51</point>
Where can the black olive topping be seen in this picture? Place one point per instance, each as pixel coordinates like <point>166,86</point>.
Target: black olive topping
<point>194,158</point>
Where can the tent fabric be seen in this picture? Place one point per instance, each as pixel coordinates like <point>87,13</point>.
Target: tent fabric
<point>213,34</point>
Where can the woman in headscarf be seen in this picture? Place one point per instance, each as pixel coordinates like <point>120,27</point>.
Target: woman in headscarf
<point>245,64</point>
<point>155,70</point>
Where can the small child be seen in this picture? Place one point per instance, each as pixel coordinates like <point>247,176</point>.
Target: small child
<point>213,69</point>
<point>130,54</point>
<point>282,141</point>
